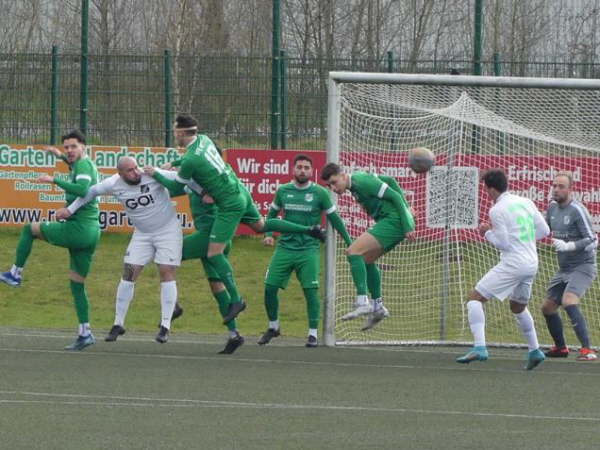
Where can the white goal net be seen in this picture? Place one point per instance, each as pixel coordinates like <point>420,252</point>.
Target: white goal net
<point>532,128</point>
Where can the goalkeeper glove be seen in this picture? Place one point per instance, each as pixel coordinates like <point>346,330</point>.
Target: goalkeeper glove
<point>562,246</point>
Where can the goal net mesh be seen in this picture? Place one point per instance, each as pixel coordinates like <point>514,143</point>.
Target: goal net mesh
<point>532,133</point>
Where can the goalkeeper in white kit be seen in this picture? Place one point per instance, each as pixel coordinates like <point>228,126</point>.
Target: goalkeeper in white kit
<point>516,225</point>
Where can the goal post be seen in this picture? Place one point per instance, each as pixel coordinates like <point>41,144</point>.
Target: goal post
<point>531,127</point>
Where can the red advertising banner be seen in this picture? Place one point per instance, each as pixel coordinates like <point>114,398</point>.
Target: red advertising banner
<point>264,171</point>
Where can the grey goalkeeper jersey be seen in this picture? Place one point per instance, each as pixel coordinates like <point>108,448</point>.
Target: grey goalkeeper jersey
<point>572,223</point>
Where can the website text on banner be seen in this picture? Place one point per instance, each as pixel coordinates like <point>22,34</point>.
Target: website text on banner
<point>24,200</point>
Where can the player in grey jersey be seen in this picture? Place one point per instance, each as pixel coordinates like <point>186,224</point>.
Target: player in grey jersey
<point>575,242</point>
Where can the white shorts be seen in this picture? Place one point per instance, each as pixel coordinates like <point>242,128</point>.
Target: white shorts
<point>503,281</point>
<point>163,245</point>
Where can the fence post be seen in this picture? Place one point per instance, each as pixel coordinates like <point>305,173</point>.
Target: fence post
<point>168,100</point>
<point>54,97</point>
<point>275,75</point>
<point>497,65</point>
<point>83,95</point>
<point>390,61</point>
<point>283,95</point>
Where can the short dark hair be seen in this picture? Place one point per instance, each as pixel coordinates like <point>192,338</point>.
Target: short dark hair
<point>302,157</point>
<point>74,134</point>
<point>495,178</point>
<point>186,121</point>
<point>330,169</point>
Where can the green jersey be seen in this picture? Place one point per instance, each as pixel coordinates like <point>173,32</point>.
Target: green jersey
<point>204,165</point>
<point>369,189</point>
<point>201,212</point>
<point>303,206</point>
<point>84,174</point>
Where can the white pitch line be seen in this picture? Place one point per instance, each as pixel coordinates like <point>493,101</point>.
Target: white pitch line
<point>179,403</point>
<point>300,362</point>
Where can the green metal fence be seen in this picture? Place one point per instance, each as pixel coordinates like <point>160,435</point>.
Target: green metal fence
<point>132,99</point>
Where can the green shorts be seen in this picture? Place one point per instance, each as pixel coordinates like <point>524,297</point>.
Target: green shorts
<point>195,246</point>
<point>388,232</point>
<point>306,264</point>
<point>237,209</point>
<point>80,238</point>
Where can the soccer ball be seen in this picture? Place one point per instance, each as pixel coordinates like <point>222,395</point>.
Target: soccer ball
<point>420,159</point>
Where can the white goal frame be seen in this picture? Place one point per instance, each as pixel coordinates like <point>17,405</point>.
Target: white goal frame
<point>335,82</point>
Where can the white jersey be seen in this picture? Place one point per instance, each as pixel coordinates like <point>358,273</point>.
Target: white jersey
<point>516,225</point>
<point>147,204</point>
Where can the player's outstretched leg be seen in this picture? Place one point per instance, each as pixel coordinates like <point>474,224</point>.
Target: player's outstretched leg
<point>313,309</point>
<point>476,318</point>
<point>479,353</point>
<point>13,277</point>
<point>580,328</point>
<point>359,276</point>
<point>85,337</point>
<point>168,298</point>
<point>235,341</point>
<point>380,312</point>
<point>272,309</point>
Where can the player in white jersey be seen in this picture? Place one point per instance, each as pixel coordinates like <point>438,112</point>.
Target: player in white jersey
<point>516,225</point>
<point>157,236</point>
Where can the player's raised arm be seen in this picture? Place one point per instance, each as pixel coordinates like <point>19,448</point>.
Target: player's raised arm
<point>103,188</point>
<point>333,217</point>
<point>80,187</point>
<point>401,206</point>
<point>541,226</point>
<point>498,234</point>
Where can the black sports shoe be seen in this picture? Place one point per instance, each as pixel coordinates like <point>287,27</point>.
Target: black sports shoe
<point>232,345</point>
<point>268,335</point>
<point>234,310</point>
<point>177,312</point>
<point>114,333</point>
<point>317,232</point>
<point>311,342</point>
<point>163,335</point>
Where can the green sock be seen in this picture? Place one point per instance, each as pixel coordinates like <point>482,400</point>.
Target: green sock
<point>24,246</point>
<point>374,280</point>
<point>223,301</point>
<point>359,273</point>
<point>272,302</point>
<point>82,305</point>
<point>225,271</point>
<point>283,226</point>
<point>313,306</point>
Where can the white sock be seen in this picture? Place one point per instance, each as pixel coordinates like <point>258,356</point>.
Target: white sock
<point>312,332</point>
<point>16,271</point>
<point>274,324</point>
<point>233,333</point>
<point>125,292</point>
<point>362,300</point>
<point>84,329</point>
<point>476,322</point>
<point>168,298</point>
<point>525,322</point>
<point>377,304</point>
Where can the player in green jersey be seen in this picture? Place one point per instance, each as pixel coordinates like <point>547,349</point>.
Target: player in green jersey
<point>303,202</point>
<point>203,164</point>
<point>79,234</point>
<point>383,200</point>
<point>195,246</point>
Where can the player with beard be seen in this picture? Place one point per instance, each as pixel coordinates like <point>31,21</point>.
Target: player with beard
<point>157,236</point>
<point>303,202</point>
<point>79,234</point>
